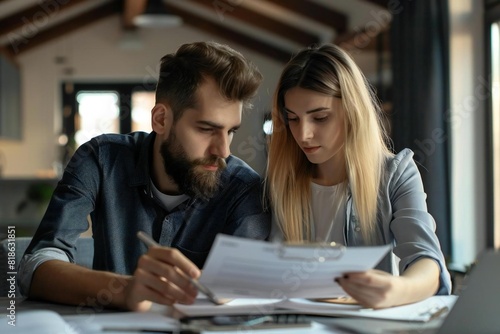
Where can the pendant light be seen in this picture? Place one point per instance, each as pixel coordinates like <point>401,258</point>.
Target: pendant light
<point>156,16</point>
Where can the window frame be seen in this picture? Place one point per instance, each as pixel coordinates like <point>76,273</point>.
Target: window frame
<point>70,91</point>
<point>491,16</point>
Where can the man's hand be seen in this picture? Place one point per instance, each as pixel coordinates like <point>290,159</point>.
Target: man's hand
<point>162,276</point>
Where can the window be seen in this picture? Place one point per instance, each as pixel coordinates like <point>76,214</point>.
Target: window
<point>98,112</point>
<point>493,114</point>
<point>142,103</point>
<point>93,109</point>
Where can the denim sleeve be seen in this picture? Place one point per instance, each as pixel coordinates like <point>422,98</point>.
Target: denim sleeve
<point>31,262</point>
<point>66,216</point>
<point>413,227</point>
<point>247,212</point>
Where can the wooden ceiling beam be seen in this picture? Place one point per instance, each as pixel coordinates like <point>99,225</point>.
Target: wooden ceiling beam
<point>24,44</point>
<point>35,17</point>
<point>239,38</point>
<point>316,12</point>
<point>132,8</point>
<point>364,40</point>
<point>381,3</point>
<point>265,22</point>
<point>375,38</point>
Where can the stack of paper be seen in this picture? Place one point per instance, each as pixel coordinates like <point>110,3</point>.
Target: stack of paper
<point>418,312</point>
<point>270,278</point>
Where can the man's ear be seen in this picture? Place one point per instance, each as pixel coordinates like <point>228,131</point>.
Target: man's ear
<point>162,118</point>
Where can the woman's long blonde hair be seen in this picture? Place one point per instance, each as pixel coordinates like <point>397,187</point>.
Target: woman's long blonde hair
<point>328,70</point>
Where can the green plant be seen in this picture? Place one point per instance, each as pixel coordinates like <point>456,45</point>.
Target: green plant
<point>38,193</point>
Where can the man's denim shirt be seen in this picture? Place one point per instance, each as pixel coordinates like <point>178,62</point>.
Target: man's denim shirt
<point>108,178</point>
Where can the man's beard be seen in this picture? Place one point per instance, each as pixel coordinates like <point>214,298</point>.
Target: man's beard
<point>189,175</point>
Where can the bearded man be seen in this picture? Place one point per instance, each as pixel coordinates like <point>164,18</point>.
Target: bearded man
<point>178,184</point>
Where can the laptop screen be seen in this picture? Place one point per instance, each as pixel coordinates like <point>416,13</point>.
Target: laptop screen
<point>477,309</point>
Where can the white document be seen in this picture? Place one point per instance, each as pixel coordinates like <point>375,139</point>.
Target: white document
<point>90,323</point>
<point>36,321</point>
<point>422,311</point>
<point>238,267</point>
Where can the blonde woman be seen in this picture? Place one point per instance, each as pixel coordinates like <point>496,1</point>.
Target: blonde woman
<point>332,177</point>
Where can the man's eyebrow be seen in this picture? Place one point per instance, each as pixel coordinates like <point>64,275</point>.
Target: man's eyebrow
<point>309,111</point>
<point>216,125</point>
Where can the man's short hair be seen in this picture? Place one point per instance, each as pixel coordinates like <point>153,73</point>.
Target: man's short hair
<point>182,72</point>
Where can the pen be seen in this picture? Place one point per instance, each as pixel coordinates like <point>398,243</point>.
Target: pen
<point>203,289</point>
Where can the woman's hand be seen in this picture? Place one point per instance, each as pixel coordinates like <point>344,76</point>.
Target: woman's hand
<point>373,288</point>
<point>378,289</point>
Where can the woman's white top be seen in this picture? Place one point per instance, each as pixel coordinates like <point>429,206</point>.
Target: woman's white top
<point>328,211</point>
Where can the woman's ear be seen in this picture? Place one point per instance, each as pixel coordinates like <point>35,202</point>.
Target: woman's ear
<point>161,118</point>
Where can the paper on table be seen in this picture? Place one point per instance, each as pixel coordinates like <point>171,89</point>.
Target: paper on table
<point>139,321</point>
<point>316,328</point>
<point>203,307</point>
<point>421,311</point>
<point>36,321</point>
<point>418,312</point>
<point>238,267</point>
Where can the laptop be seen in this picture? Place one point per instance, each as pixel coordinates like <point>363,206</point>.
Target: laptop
<point>477,309</point>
